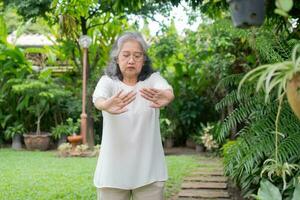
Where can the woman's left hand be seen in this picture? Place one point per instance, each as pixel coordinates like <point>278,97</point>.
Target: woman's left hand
<point>159,98</point>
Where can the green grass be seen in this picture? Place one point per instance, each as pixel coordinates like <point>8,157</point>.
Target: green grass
<point>27,175</point>
<point>178,168</point>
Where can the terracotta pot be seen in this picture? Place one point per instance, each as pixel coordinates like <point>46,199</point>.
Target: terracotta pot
<point>37,142</point>
<point>246,13</point>
<point>293,94</point>
<point>74,140</point>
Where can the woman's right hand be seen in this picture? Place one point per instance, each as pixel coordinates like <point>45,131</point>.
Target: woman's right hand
<point>117,103</point>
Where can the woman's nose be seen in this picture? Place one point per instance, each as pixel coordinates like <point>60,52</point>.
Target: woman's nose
<point>131,60</point>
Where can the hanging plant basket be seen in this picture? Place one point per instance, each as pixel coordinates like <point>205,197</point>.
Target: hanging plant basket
<point>293,94</point>
<point>246,13</point>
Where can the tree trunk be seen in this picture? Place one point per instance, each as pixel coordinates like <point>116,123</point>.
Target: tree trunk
<point>90,132</point>
<point>38,127</point>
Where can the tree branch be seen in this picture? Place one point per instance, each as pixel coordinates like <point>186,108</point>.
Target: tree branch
<point>108,8</point>
<point>96,13</point>
<point>153,19</point>
<point>96,59</point>
<point>94,25</point>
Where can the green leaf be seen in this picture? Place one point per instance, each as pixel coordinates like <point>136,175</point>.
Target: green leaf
<point>3,30</point>
<point>296,195</point>
<point>6,118</point>
<point>285,5</point>
<point>23,104</point>
<point>281,12</point>
<point>268,191</point>
<point>45,74</point>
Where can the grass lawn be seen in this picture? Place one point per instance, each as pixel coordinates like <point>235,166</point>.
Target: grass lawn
<point>27,175</point>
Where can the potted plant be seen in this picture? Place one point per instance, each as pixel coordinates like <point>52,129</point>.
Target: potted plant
<point>204,138</point>
<point>283,7</point>
<point>285,76</point>
<point>15,132</point>
<point>61,131</point>
<point>72,129</point>
<point>37,97</point>
<point>167,132</point>
<point>198,142</point>
<point>246,13</point>
<point>208,141</point>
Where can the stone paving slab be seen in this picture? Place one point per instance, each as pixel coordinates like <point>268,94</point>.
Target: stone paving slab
<point>210,169</point>
<point>204,193</point>
<point>207,182</point>
<point>203,185</point>
<point>191,198</point>
<point>206,178</point>
<point>210,173</point>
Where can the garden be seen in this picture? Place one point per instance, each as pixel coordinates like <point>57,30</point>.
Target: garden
<point>236,80</point>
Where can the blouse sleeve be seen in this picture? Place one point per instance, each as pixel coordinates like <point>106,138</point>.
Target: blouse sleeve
<point>103,88</point>
<point>160,83</point>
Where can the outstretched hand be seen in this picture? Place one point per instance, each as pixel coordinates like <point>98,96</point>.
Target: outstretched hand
<point>159,98</point>
<point>116,104</point>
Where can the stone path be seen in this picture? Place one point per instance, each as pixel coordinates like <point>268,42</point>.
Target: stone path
<point>207,182</point>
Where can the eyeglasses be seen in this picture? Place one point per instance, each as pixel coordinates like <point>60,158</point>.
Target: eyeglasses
<point>136,56</point>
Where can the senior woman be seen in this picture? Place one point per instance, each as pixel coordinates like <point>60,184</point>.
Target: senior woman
<point>131,163</point>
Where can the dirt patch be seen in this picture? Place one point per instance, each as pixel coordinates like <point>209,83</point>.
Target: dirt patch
<point>180,151</point>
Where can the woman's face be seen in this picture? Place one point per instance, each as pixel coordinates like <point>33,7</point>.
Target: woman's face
<point>131,59</point>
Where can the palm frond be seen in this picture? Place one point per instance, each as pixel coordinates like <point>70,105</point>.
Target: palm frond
<point>239,115</point>
<point>233,97</point>
<point>230,80</point>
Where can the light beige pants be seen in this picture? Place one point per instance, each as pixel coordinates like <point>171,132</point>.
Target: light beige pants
<point>153,191</point>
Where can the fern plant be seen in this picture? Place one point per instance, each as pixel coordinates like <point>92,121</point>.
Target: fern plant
<point>244,158</point>
<point>270,77</point>
<point>255,119</point>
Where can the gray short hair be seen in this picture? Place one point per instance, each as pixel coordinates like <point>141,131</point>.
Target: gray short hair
<point>113,70</point>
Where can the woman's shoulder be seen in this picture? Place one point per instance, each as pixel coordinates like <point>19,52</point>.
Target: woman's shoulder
<point>155,76</point>
<point>106,78</point>
<point>107,81</point>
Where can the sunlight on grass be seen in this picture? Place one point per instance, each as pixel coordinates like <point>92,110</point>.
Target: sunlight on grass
<point>41,175</point>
